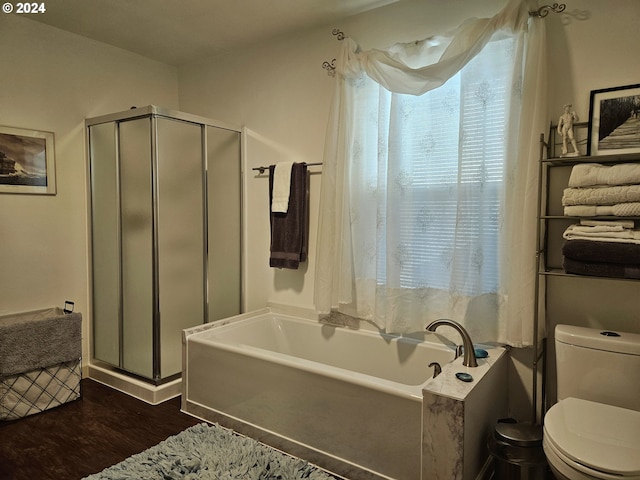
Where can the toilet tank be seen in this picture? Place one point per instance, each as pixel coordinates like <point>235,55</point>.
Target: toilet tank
<point>598,365</point>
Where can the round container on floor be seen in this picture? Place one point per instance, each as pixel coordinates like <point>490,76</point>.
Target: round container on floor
<point>517,452</point>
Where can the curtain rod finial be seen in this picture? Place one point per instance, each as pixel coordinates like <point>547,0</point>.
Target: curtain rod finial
<point>543,11</point>
<point>330,67</point>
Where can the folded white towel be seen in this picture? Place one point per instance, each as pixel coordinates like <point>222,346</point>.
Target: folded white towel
<point>601,195</point>
<point>281,187</point>
<point>591,174</point>
<point>610,223</point>
<point>598,228</point>
<point>631,209</point>
<point>625,236</point>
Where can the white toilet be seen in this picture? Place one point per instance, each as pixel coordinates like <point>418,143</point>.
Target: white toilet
<point>593,432</point>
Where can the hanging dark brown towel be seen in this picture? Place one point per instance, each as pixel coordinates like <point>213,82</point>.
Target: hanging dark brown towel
<point>290,230</point>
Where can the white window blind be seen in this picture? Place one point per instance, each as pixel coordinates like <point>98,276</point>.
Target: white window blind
<point>433,168</point>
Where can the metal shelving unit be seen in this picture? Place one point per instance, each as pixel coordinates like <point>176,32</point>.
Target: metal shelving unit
<point>554,173</point>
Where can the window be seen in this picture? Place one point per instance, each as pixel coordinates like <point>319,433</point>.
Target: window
<point>427,177</point>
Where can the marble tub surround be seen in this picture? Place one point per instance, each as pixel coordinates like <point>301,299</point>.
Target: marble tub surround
<point>458,416</point>
<point>446,384</point>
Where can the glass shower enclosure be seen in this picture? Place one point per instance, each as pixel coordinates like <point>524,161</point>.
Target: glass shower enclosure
<point>165,234</point>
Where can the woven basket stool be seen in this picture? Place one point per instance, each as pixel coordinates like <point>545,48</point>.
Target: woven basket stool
<point>40,361</point>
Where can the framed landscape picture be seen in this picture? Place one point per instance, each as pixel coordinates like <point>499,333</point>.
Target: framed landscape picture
<point>614,121</point>
<point>27,161</point>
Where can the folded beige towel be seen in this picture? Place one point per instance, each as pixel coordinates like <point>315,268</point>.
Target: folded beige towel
<point>598,228</point>
<point>627,235</point>
<point>601,195</point>
<point>631,209</point>
<point>611,223</point>
<point>591,174</point>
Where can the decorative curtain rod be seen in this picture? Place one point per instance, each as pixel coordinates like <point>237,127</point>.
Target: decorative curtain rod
<point>543,11</point>
<point>330,67</point>
<point>263,168</point>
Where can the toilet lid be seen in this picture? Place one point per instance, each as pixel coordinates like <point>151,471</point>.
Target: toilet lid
<point>599,436</point>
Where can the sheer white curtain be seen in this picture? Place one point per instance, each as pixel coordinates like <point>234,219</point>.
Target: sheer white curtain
<point>428,199</point>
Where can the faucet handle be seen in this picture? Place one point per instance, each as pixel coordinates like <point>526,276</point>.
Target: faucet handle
<point>459,350</point>
<point>437,369</point>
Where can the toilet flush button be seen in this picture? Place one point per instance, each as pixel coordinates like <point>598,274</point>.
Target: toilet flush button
<point>610,334</point>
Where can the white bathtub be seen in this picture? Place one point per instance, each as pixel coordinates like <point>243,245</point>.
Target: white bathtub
<point>355,396</point>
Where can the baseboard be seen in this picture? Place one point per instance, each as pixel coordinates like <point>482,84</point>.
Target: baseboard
<point>153,394</point>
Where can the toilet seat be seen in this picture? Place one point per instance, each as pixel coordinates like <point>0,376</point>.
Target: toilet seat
<point>598,440</point>
<point>568,469</point>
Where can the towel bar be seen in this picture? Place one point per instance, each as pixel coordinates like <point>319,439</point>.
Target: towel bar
<point>262,169</point>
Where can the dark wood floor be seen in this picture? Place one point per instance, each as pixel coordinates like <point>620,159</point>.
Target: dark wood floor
<point>85,436</point>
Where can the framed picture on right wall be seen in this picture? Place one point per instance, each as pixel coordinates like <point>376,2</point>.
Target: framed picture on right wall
<point>614,121</point>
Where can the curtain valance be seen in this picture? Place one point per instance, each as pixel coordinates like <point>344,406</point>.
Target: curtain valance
<point>418,67</point>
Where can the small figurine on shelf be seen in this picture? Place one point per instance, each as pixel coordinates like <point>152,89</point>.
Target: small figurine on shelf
<point>565,128</point>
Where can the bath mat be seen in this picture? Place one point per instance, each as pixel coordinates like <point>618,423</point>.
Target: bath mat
<point>211,452</point>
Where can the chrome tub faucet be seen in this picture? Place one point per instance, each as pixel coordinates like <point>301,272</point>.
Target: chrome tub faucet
<point>469,351</point>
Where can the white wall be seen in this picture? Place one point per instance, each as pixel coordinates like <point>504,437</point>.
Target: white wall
<point>599,51</point>
<point>52,80</point>
<point>280,93</point>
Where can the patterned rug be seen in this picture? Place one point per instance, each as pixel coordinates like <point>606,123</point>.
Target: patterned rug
<point>211,452</point>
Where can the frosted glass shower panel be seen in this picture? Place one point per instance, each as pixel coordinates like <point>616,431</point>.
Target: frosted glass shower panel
<point>137,246</point>
<point>105,243</point>
<point>181,251</point>
<point>224,216</point>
